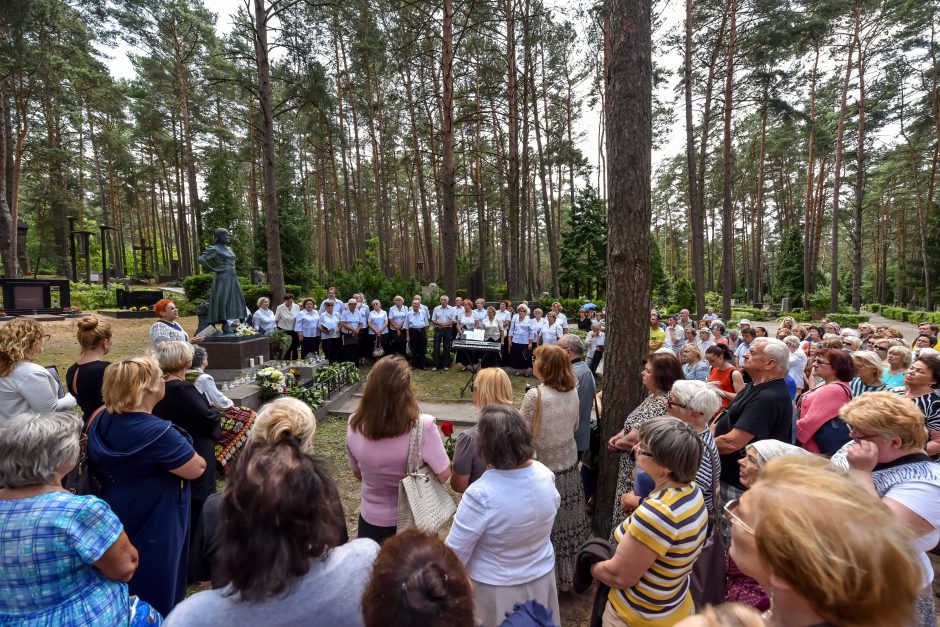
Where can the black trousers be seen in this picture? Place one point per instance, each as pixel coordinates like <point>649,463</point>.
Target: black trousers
<point>419,346</point>
<point>374,532</point>
<point>332,349</point>
<point>397,341</point>
<point>291,352</point>
<point>443,338</point>
<point>309,345</point>
<point>350,352</point>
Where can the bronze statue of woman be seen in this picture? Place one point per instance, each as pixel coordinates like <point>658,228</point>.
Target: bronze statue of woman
<point>226,301</point>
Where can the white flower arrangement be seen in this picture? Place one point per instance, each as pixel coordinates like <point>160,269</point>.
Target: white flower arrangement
<point>244,329</point>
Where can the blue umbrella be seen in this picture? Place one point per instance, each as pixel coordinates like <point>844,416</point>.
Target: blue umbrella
<point>587,306</point>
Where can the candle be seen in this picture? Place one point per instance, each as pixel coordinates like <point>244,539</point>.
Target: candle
<point>251,363</point>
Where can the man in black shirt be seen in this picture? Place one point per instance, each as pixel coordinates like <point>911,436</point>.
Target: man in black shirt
<point>761,411</point>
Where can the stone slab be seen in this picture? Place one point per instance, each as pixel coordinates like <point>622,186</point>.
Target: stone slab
<point>236,353</point>
<point>123,314</point>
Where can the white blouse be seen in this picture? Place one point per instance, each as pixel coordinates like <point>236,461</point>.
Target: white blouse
<point>378,319</point>
<point>263,320</point>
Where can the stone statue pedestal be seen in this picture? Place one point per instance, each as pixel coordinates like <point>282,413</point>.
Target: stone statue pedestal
<point>233,352</point>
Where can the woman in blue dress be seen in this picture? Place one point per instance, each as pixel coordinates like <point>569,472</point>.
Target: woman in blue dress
<point>145,465</point>
<point>64,557</point>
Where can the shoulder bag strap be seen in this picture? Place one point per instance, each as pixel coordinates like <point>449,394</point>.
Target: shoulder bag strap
<point>414,446</point>
<point>537,420</point>
<point>91,420</point>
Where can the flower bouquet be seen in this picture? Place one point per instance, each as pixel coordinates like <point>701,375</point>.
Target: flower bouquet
<point>272,383</point>
<point>447,430</point>
<point>244,329</point>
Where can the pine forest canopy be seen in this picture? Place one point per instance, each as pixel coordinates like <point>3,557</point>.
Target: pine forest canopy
<point>446,141</point>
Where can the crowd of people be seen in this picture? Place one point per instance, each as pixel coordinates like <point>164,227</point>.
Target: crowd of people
<point>788,480</point>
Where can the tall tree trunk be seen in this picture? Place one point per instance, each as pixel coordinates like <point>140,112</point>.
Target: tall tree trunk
<point>809,268</point>
<point>272,226</point>
<point>543,179</point>
<point>629,146</point>
<point>430,269</point>
<point>837,172</point>
<point>190,159</point>
<point>11,266</point>
<point>757,232</point>
<point>514,260</point>
<point>696,215</point>
<point>859,178</point>
<point>727,225</point>
<point>449,233</point>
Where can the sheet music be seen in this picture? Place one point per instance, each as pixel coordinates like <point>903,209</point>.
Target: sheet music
<point>475,335</point>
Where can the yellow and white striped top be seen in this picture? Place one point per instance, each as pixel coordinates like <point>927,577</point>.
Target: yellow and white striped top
<point>673,523</point>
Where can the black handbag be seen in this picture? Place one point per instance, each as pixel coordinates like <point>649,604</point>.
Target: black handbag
<point>350,339</point>
<point>833,435</point>
<point>81,479</point>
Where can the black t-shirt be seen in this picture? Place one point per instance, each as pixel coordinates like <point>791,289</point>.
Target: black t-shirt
<point>87,386</point>
<point>765,411</point>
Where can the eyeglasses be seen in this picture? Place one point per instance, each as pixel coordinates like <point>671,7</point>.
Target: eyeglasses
<point>881,348</point>
<point>640,451</point>
<point>819,362</point>
<point>858,436</point>
<point>731,517</point>
<point>672,403</point>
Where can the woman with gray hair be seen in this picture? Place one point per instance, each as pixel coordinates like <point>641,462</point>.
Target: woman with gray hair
<point>899,359</point>
<point>502,529</point>
<point>64,557</point>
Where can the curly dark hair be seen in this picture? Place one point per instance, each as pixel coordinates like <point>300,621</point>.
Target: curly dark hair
<point>279,511</point>
<point>417,582</point>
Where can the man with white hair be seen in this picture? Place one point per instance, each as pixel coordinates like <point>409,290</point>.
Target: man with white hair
<point>763,410</point>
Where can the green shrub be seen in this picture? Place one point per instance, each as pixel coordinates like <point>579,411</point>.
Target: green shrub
<point>848,320</point>
<point>91,297</point>
<point>799,316</point>
<point>569,306</point>
<point>750,313</point>
<point>198,287</point>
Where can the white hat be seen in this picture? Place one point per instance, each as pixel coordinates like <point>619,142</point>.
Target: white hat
<point>744,321</point>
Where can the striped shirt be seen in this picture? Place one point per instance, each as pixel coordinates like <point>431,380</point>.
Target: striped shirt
<point>929,405</point>
<point>858,387</point>
<point>673,523</point>
<point>709,470</point>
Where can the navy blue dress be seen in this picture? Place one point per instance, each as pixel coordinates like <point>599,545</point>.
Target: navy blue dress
<point>134,454</point>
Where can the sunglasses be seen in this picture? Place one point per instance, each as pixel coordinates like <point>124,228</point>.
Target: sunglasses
<point>729,515</point>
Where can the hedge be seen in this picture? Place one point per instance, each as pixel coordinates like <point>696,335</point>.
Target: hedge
<point>569,306</point>
<point>91,297</point>
<point>848,320</point>
<point>198,286</point>
<point>904,315</point>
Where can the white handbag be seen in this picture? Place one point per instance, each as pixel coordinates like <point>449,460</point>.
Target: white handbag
<point>422,501</point>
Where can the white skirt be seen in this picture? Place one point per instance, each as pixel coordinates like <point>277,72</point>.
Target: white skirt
<point>492,603</point>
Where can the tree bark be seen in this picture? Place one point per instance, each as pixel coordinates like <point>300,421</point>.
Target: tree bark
<point>272,226</point>
<point>629,145</point>
<point>859,177</point>
<point>696,217</point>
<point>808,267</point>
<point>837,174</point>
<point>514,261</point>
<point>727,225</point>
<point>11,266</point>
<point>449,233</point>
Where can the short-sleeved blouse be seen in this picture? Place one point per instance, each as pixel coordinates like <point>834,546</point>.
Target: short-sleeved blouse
<point>382,464</point>
<point>378,319</point>
<point>48,545</point>
<point>163,331</point>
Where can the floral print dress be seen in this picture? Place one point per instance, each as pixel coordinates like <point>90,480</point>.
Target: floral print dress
<point>653,405</point>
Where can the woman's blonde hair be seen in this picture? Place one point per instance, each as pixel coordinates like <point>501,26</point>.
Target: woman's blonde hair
<point>493,387</point>
<point>19,340</point>
<point>263,299</point>
<point>889,416</point>
<point>869,359</point>
<point>834,544</point>
<point>174,356</point>
<point>283,418</point>
<point>730,615</point>
<point>554,367</point>
<point>388,407</point>
<point>92,331</point>
<point>126,382</point>
<point>907,357</point>
<point>692,346</point>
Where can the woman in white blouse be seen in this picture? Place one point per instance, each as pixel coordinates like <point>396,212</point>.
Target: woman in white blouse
<point>502,529</point>
<point>285,316</point>
<point>24,385</point>
<point>396,324</point>
<point>263,319</point>
<point>329,333</point>
<point>468,321</point>
<point>504,315</point>
<point>551,330</point>
<point>492,332</point>
<point>378,326</point>
<point>306,325</point>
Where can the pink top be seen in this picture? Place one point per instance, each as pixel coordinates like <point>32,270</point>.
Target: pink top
<point>382,464</point>
<point>817,407</point>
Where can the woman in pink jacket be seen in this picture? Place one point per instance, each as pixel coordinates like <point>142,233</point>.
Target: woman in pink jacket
<point>821,404</point>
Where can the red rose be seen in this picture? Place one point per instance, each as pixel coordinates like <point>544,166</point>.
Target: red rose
<point>447,428</point>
